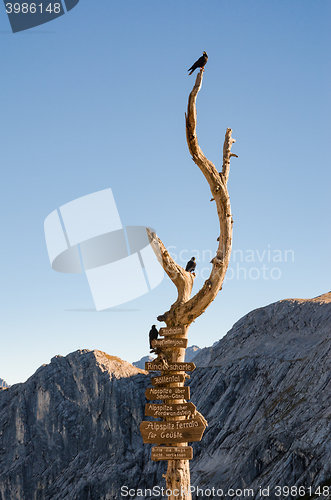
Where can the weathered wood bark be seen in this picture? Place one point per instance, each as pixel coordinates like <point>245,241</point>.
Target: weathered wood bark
<point>187,309</point>
<point>178,472</point>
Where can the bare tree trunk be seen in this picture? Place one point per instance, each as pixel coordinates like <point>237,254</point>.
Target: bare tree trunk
<point>178,473</point>
<point>187,309</point>
<point>178,480</point>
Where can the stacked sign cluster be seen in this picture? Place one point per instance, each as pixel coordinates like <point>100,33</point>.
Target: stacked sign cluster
<point>180,424</point>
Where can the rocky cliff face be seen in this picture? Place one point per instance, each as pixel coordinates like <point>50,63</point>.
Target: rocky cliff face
<point>191,352</point>
<point>265,390</point>
<point>72,430</point>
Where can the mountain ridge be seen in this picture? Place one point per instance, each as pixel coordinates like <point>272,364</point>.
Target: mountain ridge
<point>71,431</point>
<point>243,328</point>
<point>190,353</point>
<point>269,402</point>
<point>74,418</point>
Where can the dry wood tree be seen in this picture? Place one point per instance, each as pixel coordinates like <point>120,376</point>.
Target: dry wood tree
<point>186,309</point>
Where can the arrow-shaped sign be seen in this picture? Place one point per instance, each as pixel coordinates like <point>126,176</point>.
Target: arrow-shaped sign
<point>179,431</point>
<point>171,367</point>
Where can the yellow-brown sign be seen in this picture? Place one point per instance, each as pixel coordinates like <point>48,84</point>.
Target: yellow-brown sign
<point>176,330</point>
<point>170,410</point>
<point>168,393</point>
<point>179,431</point>
<point>171,367</point>
<point>170,343</point>
<point>176,378</point>
<point>172,453</point>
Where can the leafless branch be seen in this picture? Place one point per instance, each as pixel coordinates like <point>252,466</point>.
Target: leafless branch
<point>186,309</point>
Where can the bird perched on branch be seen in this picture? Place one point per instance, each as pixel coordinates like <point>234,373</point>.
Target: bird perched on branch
<point>200,63</point>
<point>190,266</point>
<point>153,334</point>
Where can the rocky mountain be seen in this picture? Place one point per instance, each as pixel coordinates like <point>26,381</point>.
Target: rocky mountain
<point>191,352</point>
<point>141,363</point>
<point>3,384</point>
<point>265,390</point>
<point>71,432</point>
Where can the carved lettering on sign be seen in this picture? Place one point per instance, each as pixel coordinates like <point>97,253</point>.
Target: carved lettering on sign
<point>169,410</point>
<point>172,367</point>
<point>172,453</point>
<point>168,393</point>
<point>170,343</point>
<point>177,330</point>
<point>179,431</point>
<point>168,379</point>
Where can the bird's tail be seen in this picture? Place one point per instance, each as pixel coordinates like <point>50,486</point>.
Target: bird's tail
<point>190,73</point>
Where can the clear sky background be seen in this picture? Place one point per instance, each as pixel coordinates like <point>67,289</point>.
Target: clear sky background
<point>96,99</point>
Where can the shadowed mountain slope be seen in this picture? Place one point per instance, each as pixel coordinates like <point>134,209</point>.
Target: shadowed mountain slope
<point>71,432</point>
<point>265,389</point>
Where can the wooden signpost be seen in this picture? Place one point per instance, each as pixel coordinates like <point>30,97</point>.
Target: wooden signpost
<point>181,424</point>
<point>172,453</point>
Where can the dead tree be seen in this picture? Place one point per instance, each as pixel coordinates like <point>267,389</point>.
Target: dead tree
<point>186,309</point>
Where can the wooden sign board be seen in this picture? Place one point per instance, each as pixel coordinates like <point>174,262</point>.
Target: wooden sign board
<point>177,330</point>
<point>179,431</point>
<point>169,410</point>
<point>170,343</point>
<point>168,393</point>
<point>172,453</point>
<point>176,378</point>
<point>172,367</point>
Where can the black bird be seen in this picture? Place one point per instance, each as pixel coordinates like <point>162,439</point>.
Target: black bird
<point>153,334</point>
<point>190,266</point>
<point>200,63</point>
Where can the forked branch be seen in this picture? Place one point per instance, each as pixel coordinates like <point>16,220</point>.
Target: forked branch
<point>181,278</point>
<point>186,309</point>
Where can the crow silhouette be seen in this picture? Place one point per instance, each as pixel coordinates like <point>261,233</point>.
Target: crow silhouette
<point>200,63</point>
<point>153,334</point>
<point>190,266</point>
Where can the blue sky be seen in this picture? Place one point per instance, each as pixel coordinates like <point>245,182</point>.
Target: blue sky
<point>96,99</point>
